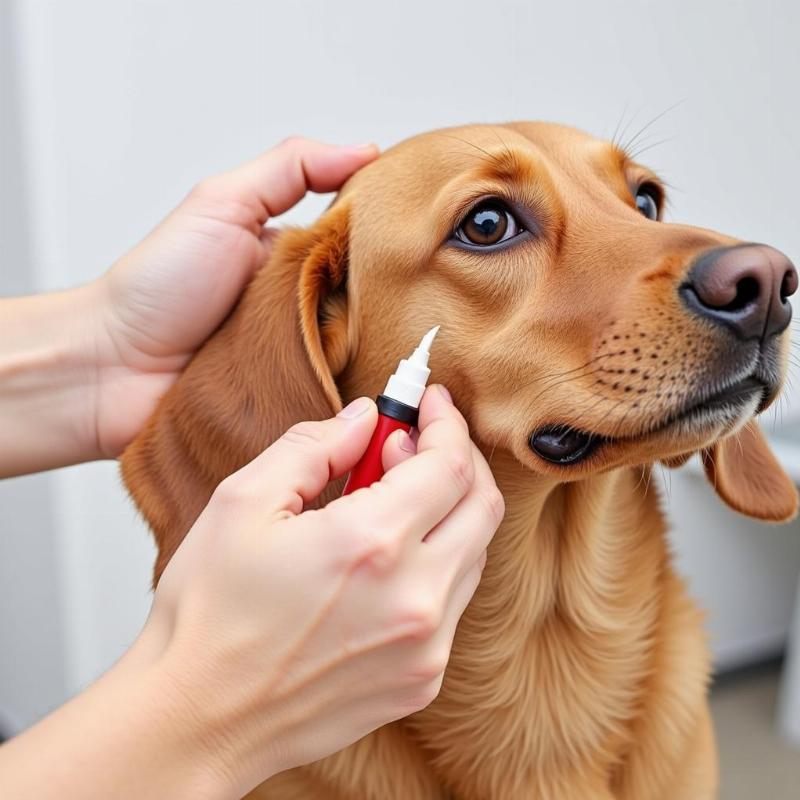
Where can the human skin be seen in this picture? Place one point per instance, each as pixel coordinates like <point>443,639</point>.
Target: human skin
<point>277,635</point>
<point>81,370</point>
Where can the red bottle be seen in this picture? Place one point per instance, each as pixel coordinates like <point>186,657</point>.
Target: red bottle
<point>398,408</point>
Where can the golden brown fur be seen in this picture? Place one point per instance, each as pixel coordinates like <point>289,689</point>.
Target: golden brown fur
<point>580,668</point>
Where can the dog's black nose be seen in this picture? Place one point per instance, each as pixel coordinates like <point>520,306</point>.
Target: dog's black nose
<point>745,287</point>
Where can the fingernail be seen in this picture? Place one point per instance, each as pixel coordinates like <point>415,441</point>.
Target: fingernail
<point>355,409</point>
<point>364,146</point>
<point>407,443</point>
<point>447,396</point>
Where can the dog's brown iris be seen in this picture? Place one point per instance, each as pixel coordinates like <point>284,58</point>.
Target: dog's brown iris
<point>487,224</point>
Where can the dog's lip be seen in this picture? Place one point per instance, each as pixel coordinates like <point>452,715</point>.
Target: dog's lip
<point>724,399</point>
<point>587,443</point>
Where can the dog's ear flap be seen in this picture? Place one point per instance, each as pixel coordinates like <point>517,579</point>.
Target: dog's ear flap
<point>270,365</point>
<point>747,476</point>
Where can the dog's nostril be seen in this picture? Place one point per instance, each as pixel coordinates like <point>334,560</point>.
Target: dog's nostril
<point>789,283</point>
<point>747,291</point>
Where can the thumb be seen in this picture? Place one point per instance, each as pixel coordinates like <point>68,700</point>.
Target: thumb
<point>296,468</point>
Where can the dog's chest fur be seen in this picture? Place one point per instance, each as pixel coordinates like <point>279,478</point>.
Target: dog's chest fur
<point>563,680</point>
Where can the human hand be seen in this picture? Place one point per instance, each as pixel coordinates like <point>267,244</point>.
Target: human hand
<point>163,299</point>
<point>292,633</point>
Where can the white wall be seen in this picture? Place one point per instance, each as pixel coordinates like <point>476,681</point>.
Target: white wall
<point>125,104</point>
<point>32,642</point>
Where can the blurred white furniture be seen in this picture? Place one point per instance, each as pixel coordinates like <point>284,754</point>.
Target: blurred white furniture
<point>744,574</point>
<point>787,447</point>
<point>789,702</point>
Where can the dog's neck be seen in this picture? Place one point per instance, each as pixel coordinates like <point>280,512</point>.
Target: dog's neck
<point>569,548</point>
<point>560,627</point>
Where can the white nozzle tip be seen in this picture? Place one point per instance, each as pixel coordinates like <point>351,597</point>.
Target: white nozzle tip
<point>412,373</point>
<point>427,339</point>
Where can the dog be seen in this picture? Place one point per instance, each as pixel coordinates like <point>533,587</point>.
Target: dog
<point>584,340</point>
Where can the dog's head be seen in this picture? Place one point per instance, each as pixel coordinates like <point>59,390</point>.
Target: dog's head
<point>578,331</point>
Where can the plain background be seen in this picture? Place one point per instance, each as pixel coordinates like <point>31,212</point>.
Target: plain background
<point>111,111</point>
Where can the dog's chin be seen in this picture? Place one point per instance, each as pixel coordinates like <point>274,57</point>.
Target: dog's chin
<point>705,418</point>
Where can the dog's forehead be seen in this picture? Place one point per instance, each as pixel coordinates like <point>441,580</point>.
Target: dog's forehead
<point>556,140</point>
<point>431,158</point>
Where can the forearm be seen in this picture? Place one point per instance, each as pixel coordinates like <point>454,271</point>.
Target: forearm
<point>48,371</point>
<point>130,735</point>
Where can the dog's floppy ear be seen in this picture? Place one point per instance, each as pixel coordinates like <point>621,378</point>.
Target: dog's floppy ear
<point>748,477</point>
<point>272,363</point>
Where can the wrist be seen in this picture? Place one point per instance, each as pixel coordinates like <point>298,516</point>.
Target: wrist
<point>175,744</point>
<point>221,714</point>
<point>48,375</point>
<point>220,741</point>
<point>127,736</point>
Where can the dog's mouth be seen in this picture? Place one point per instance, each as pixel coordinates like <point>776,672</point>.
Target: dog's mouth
<point>564,445</point>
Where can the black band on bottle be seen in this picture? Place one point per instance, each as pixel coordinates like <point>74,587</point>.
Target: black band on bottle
<point>390,407</point>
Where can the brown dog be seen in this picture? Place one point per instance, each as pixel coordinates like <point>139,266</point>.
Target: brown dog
<point>583,340</point>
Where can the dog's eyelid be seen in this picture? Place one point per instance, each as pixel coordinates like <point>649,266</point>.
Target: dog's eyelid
<point>475,202</point>
<point>641,177</point>
<point>653,186</point>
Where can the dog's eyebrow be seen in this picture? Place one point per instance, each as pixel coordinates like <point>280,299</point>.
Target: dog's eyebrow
<point>620,155</point>
<point>508,165</point>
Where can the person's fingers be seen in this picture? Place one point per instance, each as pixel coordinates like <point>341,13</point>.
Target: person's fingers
<point>418,493</point>
<point>279,178</point>
<point>461,538</point>
<point>430,407</point>
<point>399,447</point>
<point>457,602</point>
<point>298,466</point>
<point>431,663</point>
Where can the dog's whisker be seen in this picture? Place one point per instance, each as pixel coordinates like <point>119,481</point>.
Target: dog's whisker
<point>666,481</point>
<point>548,380</point>
<point>490,157</point>
<point>629,144</point>
<point>613,139</point>
<point>624,131</point>
<point>555,384</point>
<point>635,155</point>
<point>507,151</point>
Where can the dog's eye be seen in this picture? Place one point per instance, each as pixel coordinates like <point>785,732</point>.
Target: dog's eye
<point>648,200</point>
<point>488,223</point>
